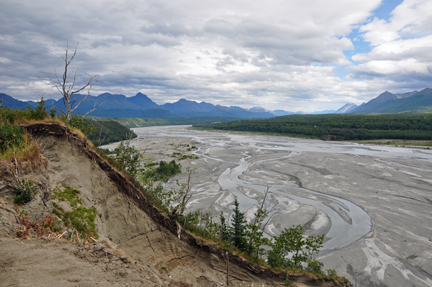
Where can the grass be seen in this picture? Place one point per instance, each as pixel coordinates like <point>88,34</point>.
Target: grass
<point>81,218</point>
<point>28,150</point>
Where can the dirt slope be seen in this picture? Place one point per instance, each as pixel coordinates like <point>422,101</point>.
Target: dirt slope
<point>138,246</point>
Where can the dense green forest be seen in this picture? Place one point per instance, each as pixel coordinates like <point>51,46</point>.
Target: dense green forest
<point>406,126</point>
<point>147,122</point>
<point>108,132</point>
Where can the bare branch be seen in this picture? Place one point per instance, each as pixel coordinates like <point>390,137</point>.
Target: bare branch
<point>95,107</point>
<point>66,88</point>
<point>186,198</point>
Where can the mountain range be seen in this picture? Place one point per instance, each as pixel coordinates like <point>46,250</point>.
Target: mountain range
<point>387,102</point>
<point>141,106</point>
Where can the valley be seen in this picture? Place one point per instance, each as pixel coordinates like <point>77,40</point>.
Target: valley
<point>372,202</point>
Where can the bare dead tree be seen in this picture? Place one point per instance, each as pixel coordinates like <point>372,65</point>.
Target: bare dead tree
<point>262,206</point>
<point>184,199</point>
<point>66,86</point>
<point>265,195</point>
<point>186,196</point>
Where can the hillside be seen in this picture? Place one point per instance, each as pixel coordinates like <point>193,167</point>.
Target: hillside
<point>135,245</point>
<point>412,102</point>
<point>417,102</point>
<point>109,131</point>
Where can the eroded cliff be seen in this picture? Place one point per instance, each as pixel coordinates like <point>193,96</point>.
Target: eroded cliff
<point>137,246</point>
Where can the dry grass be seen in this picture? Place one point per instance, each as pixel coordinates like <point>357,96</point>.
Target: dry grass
<point>28,151</point>
<point>25,157</point>
<point>23,121</point>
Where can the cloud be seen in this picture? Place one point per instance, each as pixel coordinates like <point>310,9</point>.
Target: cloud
<point>280,54</point>
<point>401,47</point>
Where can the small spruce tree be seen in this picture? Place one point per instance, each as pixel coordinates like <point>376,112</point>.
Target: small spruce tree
<point>239,227</point>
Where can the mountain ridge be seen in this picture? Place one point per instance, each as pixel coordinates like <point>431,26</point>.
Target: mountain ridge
<point>386,102</point>
<point>140,105</point>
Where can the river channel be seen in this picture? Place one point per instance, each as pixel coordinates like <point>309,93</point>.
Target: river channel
<point>373,202</point>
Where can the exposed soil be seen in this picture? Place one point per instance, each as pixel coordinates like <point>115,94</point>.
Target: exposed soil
<point>138,245</point>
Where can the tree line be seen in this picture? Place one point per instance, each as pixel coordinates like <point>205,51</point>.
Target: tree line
<point>409,126</point>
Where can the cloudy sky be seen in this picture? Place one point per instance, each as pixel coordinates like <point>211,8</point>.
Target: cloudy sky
<point>294,55</point>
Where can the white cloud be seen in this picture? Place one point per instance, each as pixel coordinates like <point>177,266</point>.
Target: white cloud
<point>401,46</point>
<point>280,54</point>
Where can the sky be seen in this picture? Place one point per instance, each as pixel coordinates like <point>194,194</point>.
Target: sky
<point>294,55</point>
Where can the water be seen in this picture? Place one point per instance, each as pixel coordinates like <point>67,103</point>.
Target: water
<point>347,226</point>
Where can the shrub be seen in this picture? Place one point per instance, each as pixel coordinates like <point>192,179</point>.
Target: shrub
<point>314,266</point>
<point>128,157</point>
<point>331,272</point>
<point>163,172</point>
<point>290,248</point>
<point>23,193</point>
<point>39,113</point>
<point>10,136</point>
<point>287,281</point>
<point>78,122</point>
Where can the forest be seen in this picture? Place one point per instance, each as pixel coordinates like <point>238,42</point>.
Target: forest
<point>108,132</point>
<point>406,126</point>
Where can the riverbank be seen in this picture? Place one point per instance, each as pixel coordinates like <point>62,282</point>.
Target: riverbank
<point>420,144</point>
<point>390,184</point>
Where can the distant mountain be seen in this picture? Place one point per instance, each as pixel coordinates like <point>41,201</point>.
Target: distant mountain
<point>375,105</point>
<point>258,110</point>
<point>387,102</point>
<point>183,106</point>
<point>418,102</point>
<point>348,108</point>
<point>395,103</point>
<point>8,101</point>
<point>143,102</point>
<point>279,113</point>
<point>406,95</point>
<point>141,106</point>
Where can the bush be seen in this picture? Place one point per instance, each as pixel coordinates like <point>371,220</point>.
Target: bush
<point>331,272</point>
<point>10,136</point>
<point>290,248</point>
<point>314,266</point>
<point>84,126</point>
<point>128,157</point>
<point>287,281</point>
<point>13,116</point>
<point>23,193</point>
<point>39,113</point>
<point>163,172</point>
<point>168,169</point>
